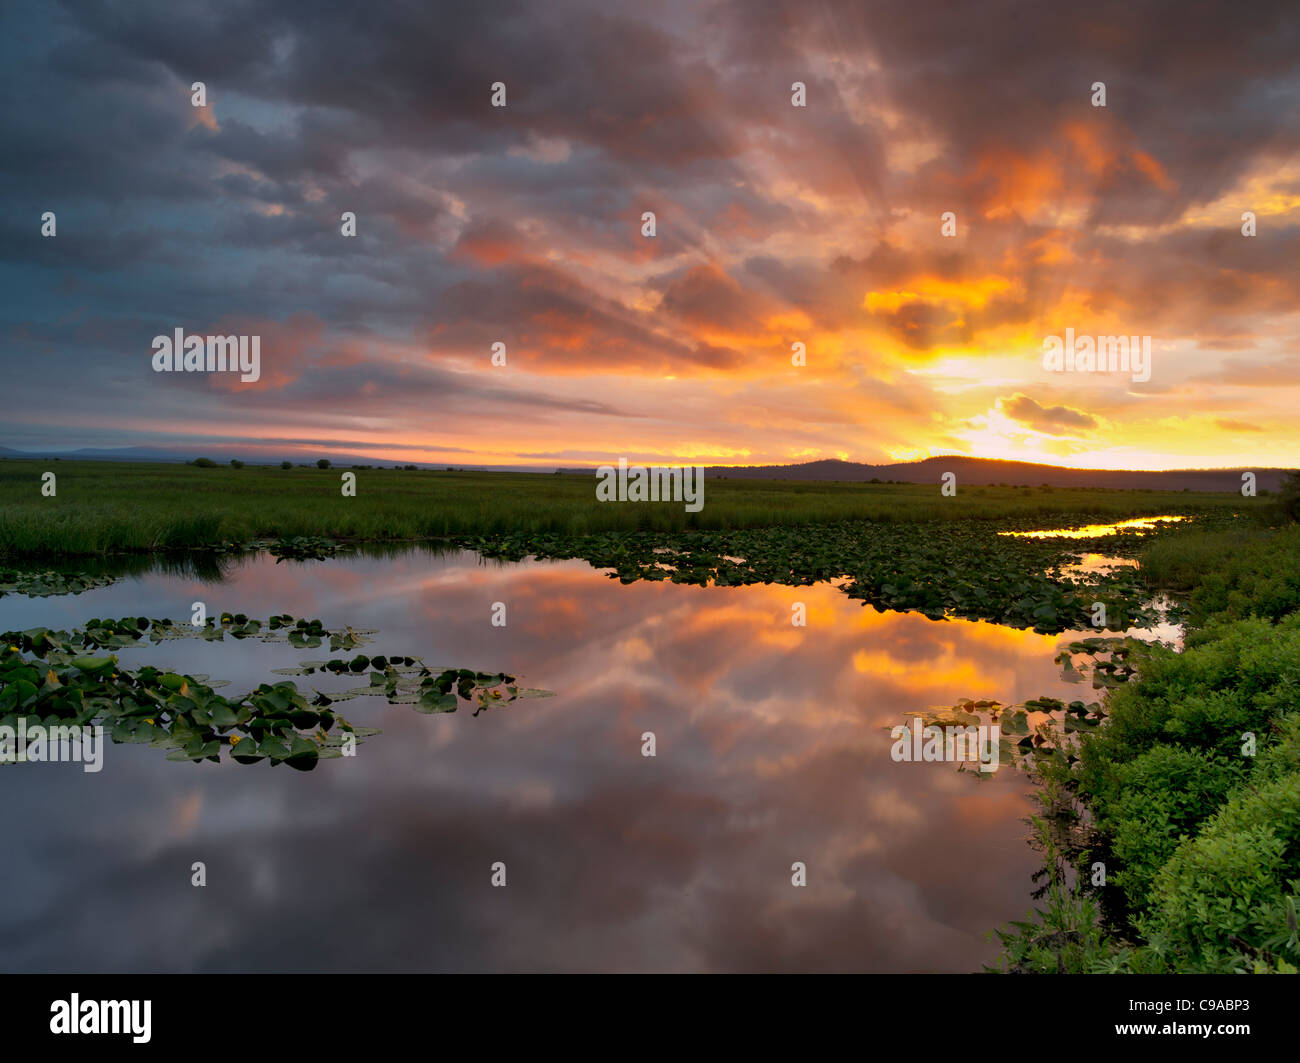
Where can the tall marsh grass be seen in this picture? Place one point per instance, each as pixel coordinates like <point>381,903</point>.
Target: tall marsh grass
<point>108,507</point>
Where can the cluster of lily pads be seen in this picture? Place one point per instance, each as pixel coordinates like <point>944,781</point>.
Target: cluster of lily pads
<point>45,584</point>
<point>304,548</point>
<point>59,678</point>
<point>294,547</point>
<point>938,568</point>
<point>1038,731</point>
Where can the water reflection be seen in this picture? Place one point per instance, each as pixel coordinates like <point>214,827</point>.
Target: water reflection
<point>772,747</point>
<point>1088,531</point>
<point>1096,565</point>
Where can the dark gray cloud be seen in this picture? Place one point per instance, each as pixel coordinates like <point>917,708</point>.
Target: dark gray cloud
<point>1055,420</point>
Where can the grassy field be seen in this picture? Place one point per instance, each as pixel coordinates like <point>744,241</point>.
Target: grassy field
<point>107,507</point>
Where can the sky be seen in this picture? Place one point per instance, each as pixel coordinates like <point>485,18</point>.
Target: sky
<point>775,225</point>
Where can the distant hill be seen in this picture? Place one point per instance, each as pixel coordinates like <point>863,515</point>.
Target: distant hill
<point>971,471</point>
<point>985,471</point>
<point>250,455</point>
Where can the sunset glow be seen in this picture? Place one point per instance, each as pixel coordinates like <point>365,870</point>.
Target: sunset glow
<point>776,225</point>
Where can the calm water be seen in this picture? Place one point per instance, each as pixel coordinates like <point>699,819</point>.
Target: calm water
<point>772,745</point>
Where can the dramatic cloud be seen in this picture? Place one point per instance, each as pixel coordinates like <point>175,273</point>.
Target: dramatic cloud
<point>948,197</point>
<point>1058,420</point>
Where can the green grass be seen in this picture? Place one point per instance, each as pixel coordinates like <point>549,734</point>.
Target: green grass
<point>1231,574</point>
<point>109,507</point>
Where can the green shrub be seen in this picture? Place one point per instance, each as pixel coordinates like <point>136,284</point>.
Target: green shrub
<point>1160,798</point>
<point>1222,900</point>
<point>1279,753</point>
<point>1201,839</point>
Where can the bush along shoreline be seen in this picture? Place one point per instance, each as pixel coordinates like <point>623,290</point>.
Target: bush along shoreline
<point>1172,838</point>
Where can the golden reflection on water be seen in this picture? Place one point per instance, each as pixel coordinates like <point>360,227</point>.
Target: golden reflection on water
<point>1090,530</point>
<point>1096,564</point>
